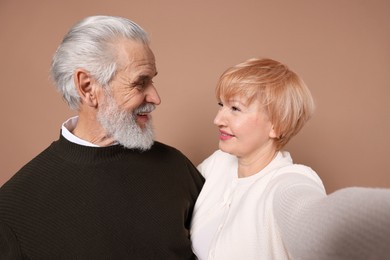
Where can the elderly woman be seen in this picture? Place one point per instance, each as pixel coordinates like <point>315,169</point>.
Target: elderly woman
<point>256,203</point>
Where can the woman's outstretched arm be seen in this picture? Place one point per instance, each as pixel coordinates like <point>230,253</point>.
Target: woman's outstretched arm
<point>351,223</point>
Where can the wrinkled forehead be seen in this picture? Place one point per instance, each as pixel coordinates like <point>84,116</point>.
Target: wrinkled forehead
<point>135,54</point>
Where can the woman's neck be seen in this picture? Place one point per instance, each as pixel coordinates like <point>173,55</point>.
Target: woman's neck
<point>249,166</point>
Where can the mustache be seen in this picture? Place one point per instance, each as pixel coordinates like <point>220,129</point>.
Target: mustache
<point>145,108</point>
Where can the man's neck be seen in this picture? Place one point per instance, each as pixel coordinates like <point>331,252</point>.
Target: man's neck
<point>90,130</point>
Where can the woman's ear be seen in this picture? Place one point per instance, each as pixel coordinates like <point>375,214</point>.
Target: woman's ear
<point>85,87</point>
<point>272,133</point>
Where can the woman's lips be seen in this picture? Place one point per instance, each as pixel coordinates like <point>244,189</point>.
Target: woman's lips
<point>225,136</point>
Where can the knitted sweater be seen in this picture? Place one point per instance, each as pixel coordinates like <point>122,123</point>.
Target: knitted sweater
<point>78,202</point>
<point>283,212</point>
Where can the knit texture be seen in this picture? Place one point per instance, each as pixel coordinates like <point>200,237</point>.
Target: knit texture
<point>233,217</point>
<point>78,202</point>
<point>351,223</point>
<point>283,212</point>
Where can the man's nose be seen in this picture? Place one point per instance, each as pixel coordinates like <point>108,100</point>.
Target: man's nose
<point>151,95</point>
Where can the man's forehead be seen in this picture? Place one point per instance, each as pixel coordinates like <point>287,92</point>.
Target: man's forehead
<point>136,54</point>
<point>144,67</point>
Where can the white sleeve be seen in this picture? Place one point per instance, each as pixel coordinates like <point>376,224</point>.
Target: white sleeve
<point>351,223</point>
<point>202,168</point>
<point>208,165</point>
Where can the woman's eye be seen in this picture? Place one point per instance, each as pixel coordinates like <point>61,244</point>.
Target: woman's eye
<point>220,104</point>
<point>235,108</point>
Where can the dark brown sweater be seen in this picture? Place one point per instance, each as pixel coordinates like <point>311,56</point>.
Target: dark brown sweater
<point>78,202</point>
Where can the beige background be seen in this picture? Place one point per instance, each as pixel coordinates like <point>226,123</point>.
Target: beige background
<point>341,49</point>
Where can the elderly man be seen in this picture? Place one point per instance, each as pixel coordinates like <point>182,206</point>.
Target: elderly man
<point>105,189</point>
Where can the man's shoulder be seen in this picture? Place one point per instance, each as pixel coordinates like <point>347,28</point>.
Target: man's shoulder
<point>160,144</point>
<point>169,153</point>
<point>26,174</point>
<point>162,147</point>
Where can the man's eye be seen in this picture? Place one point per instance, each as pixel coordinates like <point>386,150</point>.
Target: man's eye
<point>220,104</point>
<point>235,108</point>
<point>141,84</point>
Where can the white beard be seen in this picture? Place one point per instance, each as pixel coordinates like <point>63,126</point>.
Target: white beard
<point>122,126</point>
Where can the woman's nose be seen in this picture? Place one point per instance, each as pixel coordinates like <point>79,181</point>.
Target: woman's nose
<point>219,119</point>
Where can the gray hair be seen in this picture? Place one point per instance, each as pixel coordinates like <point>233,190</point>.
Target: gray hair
<point>88,45</point>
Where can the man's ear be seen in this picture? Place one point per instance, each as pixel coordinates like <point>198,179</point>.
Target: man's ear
<point>85,87</point>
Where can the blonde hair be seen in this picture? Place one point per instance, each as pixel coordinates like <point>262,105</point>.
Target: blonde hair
<point>286,98</point>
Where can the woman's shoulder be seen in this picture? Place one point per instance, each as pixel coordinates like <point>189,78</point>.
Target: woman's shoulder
<point>218,157</point>
<point>217,161</point>
<point>295,172</point>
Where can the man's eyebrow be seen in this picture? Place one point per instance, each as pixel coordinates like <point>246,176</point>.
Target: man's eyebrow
<point>145,76</point>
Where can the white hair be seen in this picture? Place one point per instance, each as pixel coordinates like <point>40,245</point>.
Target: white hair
<point>122,125</point>
<point>88,45</point>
